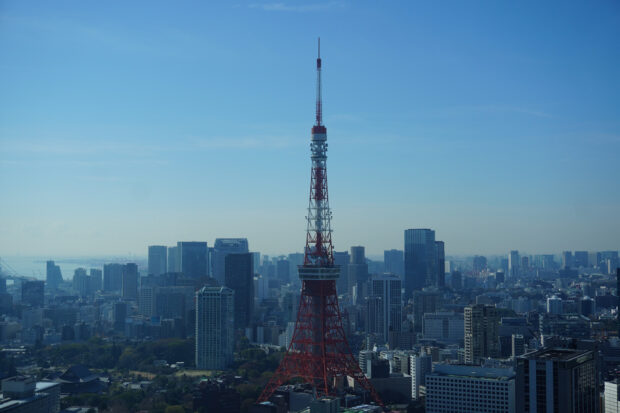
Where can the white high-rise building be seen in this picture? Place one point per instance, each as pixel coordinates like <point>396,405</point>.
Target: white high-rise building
<point>420,366</point>
<point>464,389</point>
<point>215,328</point>
<point>612,402</point>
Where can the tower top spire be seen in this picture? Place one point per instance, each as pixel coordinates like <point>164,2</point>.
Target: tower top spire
<point>319,100</point>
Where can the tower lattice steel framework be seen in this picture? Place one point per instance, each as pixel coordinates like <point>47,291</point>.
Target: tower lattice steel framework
<point>319,353</point>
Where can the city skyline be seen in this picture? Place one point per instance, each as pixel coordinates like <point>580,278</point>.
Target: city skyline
<point>496,142</point>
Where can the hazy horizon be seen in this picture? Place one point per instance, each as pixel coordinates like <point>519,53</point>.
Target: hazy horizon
<point>127,125</point>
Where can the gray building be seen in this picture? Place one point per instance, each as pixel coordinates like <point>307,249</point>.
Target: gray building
<point>343,260</point>
<point>481,333</point>
<point>358,273</point>
<point>23,394</point>
<point>239,276</point>
<point>215,321</point>
<point>53,276</point>
<point>192,258</point>
<point>557,380</point>
<point>173,260</point>
<point>394,262</point>
<point>464,389</point>
<point>223,247</point>
<point>112,277</point>
<point>513,264</point>
<point>387,288</point>
<point>158,260</point>
<point>129,289</point>
<point>420,260</point>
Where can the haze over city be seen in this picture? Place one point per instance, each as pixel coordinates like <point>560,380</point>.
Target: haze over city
<point>123,126</point>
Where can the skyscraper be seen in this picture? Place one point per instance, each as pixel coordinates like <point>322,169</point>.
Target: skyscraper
<point>581,259</point>
<point>513,264</point>
<point>192,257</point>
<point>130,276</point>
<point>440,258</point>
<point>420,260</point>
<point>343,260</point>
<point>557,380</point>
<point>358,273</point>
<point>215,321</point>
<point>223,247</point>
<point>96,279</point>
<point>283,270</point>
<point>567,259</point>
<point>173,259</point>
<point>479,264</point>
<point>394,262</point>
<point>387,287</point>
<point>239,276</point>
<point>112,277</point>
<point>481,333</point>
<point>53,275</point>
<point>158,260</point>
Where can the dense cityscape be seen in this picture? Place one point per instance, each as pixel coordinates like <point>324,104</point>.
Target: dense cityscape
<point>167,333</point>
<point>131,127</point>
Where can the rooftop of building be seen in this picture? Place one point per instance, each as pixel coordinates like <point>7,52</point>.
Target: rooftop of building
<point>563,354</point>
<point>479,372</point>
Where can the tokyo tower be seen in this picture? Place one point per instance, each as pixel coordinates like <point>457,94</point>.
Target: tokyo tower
<point>319,353</point>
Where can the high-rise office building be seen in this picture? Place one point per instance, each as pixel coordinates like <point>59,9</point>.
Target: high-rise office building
<point>460,389</point>
<point>394,262</point>
<point>557,380</point>
<point>283,271</point>
<point>112,277</point>
<point>81,282</point>
<point>387,287</point>
<point>426,301</point>
<point>214,327</point>
<point>581,259</point>
<point>440,259</point>
<point>612,396</point>
<point>481,333</point>
<point>173,259</point>
<point>420,366</point>
<point>53,275</point>
<point>420,260</point>
<point>517,344</point>
<point>158,260</point>
<point>479,264</point>
<point>239,277</point>
<point>96,279</point>
<point>343,260</point>
<point>358,273</point>
<point>193,260</point>
<point>33,293</point>
<point>567,259</point>
<point>513,264</point>
<point>129,287</point>
<point>223,247</point>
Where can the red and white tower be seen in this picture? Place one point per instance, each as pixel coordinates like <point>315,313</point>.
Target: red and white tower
<point>319,353</point>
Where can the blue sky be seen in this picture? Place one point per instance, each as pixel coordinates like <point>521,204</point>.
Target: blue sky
<point>124,124</point>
